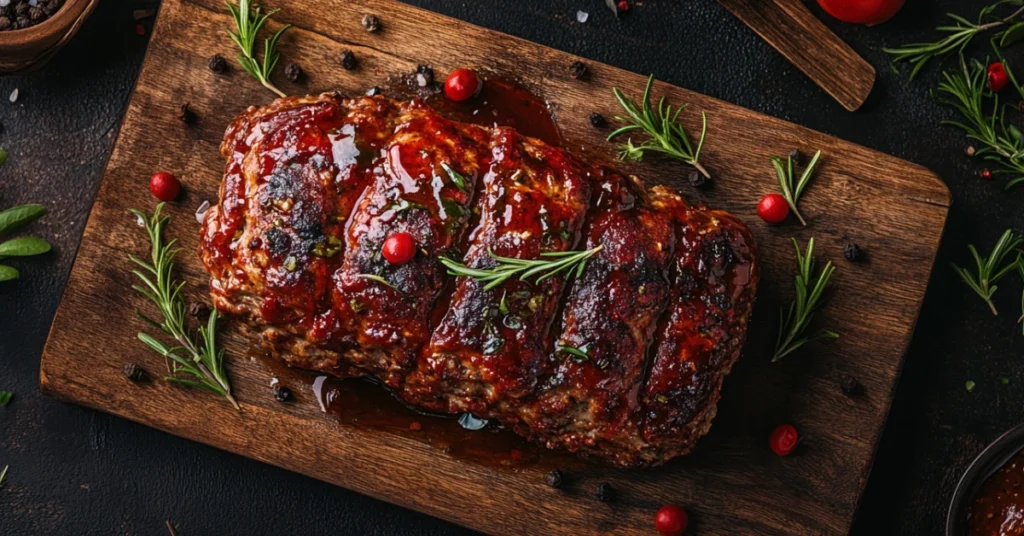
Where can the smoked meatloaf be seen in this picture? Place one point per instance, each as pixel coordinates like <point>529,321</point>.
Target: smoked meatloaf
<point>623,360</point>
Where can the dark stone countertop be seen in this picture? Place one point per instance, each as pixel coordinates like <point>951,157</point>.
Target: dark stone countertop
<point>79,472</point>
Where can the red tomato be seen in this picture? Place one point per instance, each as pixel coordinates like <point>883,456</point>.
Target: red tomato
<point>399,248</point>
<point>461,85</point>
<point>868,12</point>
<point>670,520</point>
<point>773,208</point>
<point>164,186</point>
<point>783,439</point>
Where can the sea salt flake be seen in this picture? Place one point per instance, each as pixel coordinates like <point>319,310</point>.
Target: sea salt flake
<point>582,16</point>
<point>274,381</point>
<point>201,211</point>
<point>14,95</point>
<point>141,222</point>
<point>5,3</point>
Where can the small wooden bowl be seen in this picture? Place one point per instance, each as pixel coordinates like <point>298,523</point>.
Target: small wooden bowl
<point>30,48</point>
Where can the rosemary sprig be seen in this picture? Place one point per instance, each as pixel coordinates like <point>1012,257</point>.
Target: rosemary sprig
<point>579,354</point>
<point>455,176</point>
<point>249,20</point>
<point>666,135</point>
<point>958,35</point>
<point>991,269</point>
<point>965,90</point>
<point>793,322</point>
<point>193,363</point>
<point>550,264</point>
<point>793,190</point>
<point>1020,270</point>
<point>378,279</point>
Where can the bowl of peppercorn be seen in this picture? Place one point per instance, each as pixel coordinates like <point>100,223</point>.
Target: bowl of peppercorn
<point>32,31</point>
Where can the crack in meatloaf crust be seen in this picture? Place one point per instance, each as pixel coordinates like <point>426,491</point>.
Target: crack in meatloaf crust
<point>313,187</point>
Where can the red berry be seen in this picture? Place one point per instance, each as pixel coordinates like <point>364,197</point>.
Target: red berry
<point>985,174</point>
<point>623,5</point>
<point>399,248</point>
<point>461,85</point>
<point>783,439</point>
<point>997,77</point>
<point>773,208</point>
<point>140,29</point>
<point>670,520</point>
<point>164,186</point>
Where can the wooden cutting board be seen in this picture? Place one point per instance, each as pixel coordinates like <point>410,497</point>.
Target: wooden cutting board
<point>731,484</point>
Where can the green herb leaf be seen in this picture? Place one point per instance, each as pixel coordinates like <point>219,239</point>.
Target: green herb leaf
<point>792,188</point>
<point>249,20</point>
<point>194,362</point>
<point>1012,35</point>
<point>579,354</point>
<point>14,218</point>
<point>991,268</point>
<point>24,246</point>
<point>456,178</point>
<point>1004,380</point>
<point>5,397</point>
<point>969,385</point>
<point>793,322</point>
<point>378,279</point>
<point>7,273</point>
<point>549,265</point>
<point>665,134</point>
<point>3,474</point>
<point>3,156</point>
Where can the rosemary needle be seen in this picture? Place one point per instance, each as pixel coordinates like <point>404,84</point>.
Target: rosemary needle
<point>792,189</point>
<point>550,264</point>
<point>249,20</point>
<point>666,134</point>
<point>793,321</point>
<point>991,268</point>
<point>192,363</point>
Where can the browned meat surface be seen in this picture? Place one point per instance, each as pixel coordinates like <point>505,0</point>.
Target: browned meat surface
<point>624,361</point>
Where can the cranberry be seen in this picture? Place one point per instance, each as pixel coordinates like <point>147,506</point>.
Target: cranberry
<point>623,5</point>
<point>164,186</point>
<point>997,77</point>
<point>399,248</point>
<point>461,85</point>
<point>783,439</point>
<point>773,208</point>
<point>670,520</point>
<point>985,174</point>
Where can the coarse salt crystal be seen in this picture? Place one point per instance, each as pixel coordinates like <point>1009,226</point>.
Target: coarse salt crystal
<point>14,95</point>
<point>141,222</point>
<point>274,381</point>
<point>582,16</point>
<point>421,80</point>
<point>201,211</point>
<point>5,3</point>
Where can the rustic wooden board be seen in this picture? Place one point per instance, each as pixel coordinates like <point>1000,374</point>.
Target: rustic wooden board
<point>732,484</point>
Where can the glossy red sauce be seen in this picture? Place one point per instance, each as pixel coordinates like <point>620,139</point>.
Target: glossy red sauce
<point>998,510</point>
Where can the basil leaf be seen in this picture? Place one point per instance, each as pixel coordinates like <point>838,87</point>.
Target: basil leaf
<point>16,217</point>
<point>7,273</point>
<point>24,246</point>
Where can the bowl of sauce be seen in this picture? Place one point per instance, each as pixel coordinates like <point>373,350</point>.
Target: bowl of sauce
<point>989,499</point>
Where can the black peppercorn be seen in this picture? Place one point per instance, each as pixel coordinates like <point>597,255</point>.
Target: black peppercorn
<point>606,493</point>
<point>217,64</point>
<point>348,60</point>
<point>6,23</point>
<point>36,15</point>
<point>371,23</point>
<point>198,309</point>
<point>293,72</point>
<point>373,91</point>
<point>796,157</point>
<point>134,372</point>
<point>186,115</point>
<point>696,179</point>
<point>556,479</point>
<point>24,21</point>
<point>597,120</point>
<point>853,252</point>
<point>424,76</point>
<point>282,393</point>
<point>850,385</point>
<point>579,70</point>
<point>21,9</point>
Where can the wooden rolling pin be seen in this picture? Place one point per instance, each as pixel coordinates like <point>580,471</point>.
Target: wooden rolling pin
<point>794,31</point>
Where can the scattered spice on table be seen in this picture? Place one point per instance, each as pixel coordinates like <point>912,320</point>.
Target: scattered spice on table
<point>850,385</point>
<point>555,479</point>
<point>293,72</point>
<point>597,120</point>
<point>186,115</point>
<point>348,60</point>
<point>374,91</point>
<point>579,70</point>
<point>606,493</point>
<point>13,96</point>
<point>424,76</point>
<point>5,397</point>
<point>198,309</point>
<point>582,16</point>
<point>970,150</point>
<point>282,393</point>
<point>217,64</point>
<point>853,252</point>
<point>696,179</point>
<point>134,372</point>
<point>371,23</point>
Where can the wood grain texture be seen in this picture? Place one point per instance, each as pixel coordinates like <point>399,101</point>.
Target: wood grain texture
<point>795,32</point>
<point>731,484</point>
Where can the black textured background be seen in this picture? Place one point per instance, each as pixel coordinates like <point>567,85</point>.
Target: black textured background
<point>78,472</point>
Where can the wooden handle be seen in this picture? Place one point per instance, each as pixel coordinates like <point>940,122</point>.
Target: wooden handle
<point>795,32</point>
